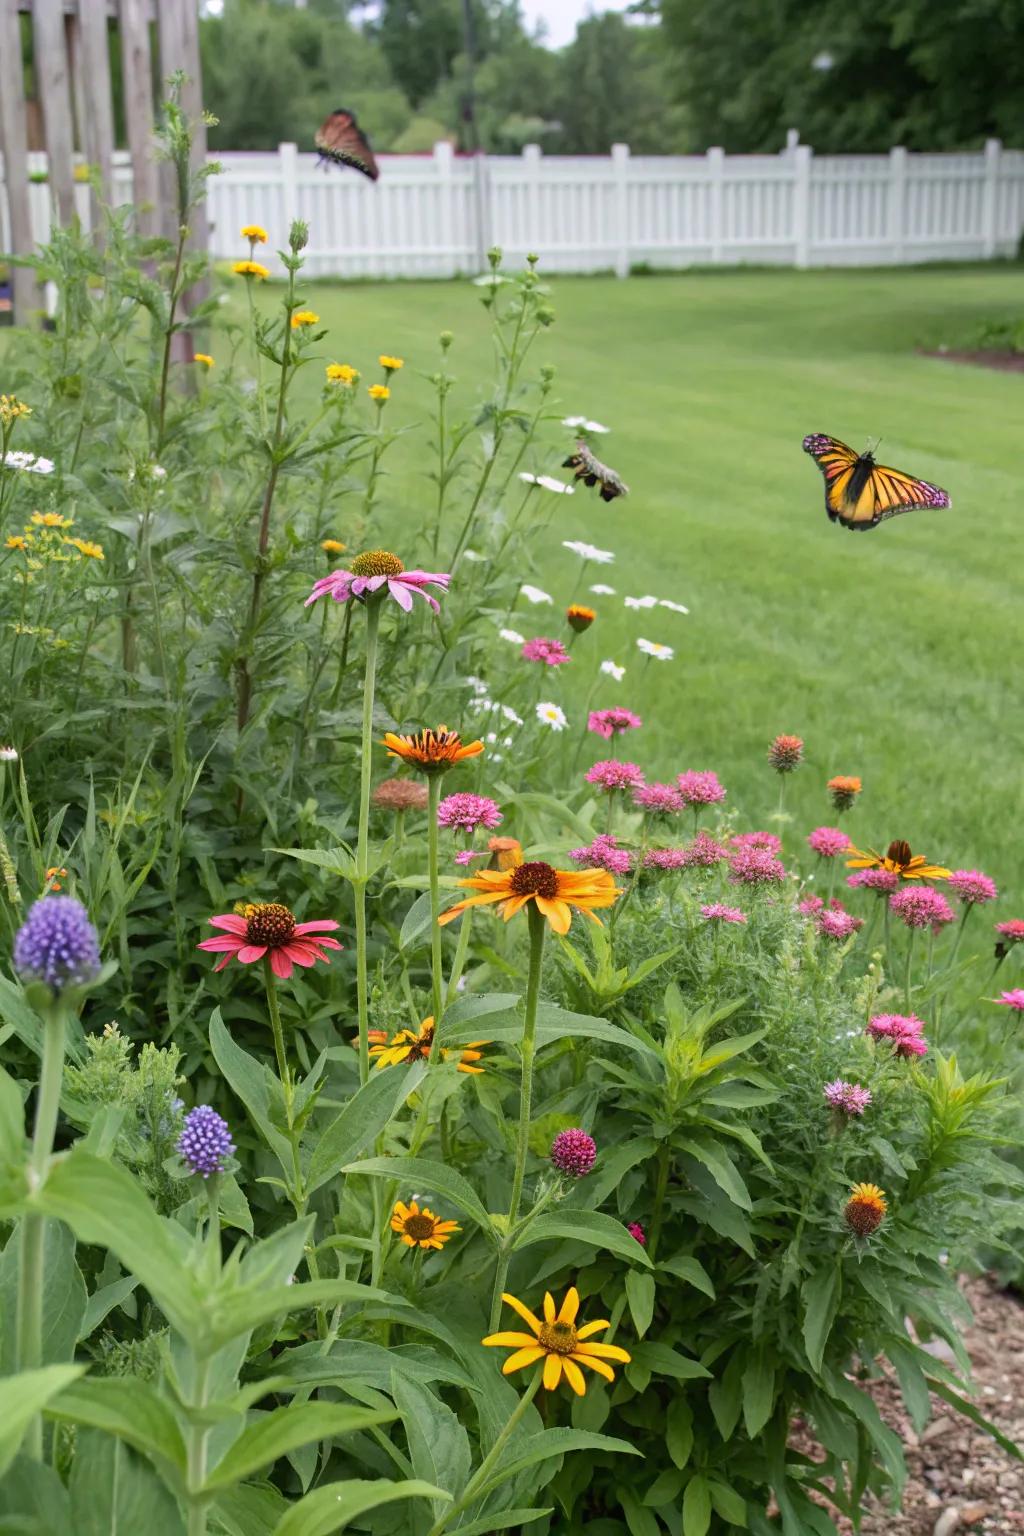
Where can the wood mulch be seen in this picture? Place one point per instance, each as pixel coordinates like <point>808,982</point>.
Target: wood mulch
<point>1003,362</point>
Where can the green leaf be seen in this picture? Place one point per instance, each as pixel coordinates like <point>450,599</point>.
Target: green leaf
<point>124,1406</point>
<point>724,1050</point>
<point>33,1500</point>
<point>758,1392</point>
<point>696,1507</point>
<point>251,1082</point>
<point>103,1301</point>
<point>333,1506</point>
<point>662,1360</point>
<point>912,1383</point>
<point>360,1122</point>
<point>641,1521</point>
<point>548,1443</point>
<point>421,1174</point>
<point>12,1121</point>
<point>285,1429</point>
<point>593,1227</point>
<point>728,1503</point>
<point>821,1301</point>
<point>967,1408</point>
<point>64,1296</point>
<point>338,860</point>
<point>438,1444</point>
<point>245,1310</point>
<point>665,1489</point>
<point>416,922</point>
<point>249,1510</point>
<point>505,1023</point>
<point>640,1295</point>
<point>687,1268</point>
<point>501,1520</point>
<point>112,1489</point>
<point>679,1431</point>
<point>22,1397</point>
<point>713,1156</point>
<point>726,1396</point>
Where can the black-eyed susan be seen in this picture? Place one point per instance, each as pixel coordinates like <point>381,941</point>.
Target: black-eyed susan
<point>432,751</point>
<point>865,1210</point>
<point>898,860</point>
<point>420,1228</point>
<point>555,892</point>
<point>250,269</point>
<point>304,317</point>
<point>559,1343</point>
<point>415,1045</point>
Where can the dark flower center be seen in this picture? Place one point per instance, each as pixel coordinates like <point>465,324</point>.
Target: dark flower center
<point>269,923</point>
<point>419,1227</point>
<point>419,1045</point>
<point>376,562</point>
<point>899,852</point>
<point>535,878</point>
<point>558,1338</point>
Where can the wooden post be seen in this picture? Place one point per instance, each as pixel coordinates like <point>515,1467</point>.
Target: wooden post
<point>96,109</point>
<point>990,198</point>
<point>802,205</point>
<point>13,142</point>
<point>137,72</point>
<point>620,170</point>
<point>897,201</point>
<point>716,207</point>
<point>51,57</point>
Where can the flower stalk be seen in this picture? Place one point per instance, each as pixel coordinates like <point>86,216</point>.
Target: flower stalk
<point>363,843</point>
<point>478,1482</point>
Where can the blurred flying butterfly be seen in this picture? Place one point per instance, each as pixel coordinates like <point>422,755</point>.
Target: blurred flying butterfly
<point>341,139</point>
<point>591,471</point>
<point>860,493</point>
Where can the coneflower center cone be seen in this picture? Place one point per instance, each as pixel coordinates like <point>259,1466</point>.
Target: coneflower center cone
<point>270,923</point>
<point>534,878</point>
<point>558,1337</point>
<point>419,1227</point>
<point>376,562</point>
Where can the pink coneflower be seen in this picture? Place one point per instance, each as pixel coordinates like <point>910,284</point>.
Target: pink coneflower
<point>665,858</point>
<point>767,842</point>
<point>603,853</point>
<point>755,866</point>
<point>700,787</point>
<point>705,852</point>
<point>838,925</point>
<point>973,888</point>
<point>918,906</point>
<point>400,795</point>
<point>1011,932</point>
<point>718,912</point>
<point>610,775</point>
<point>849,1098</point>
<point>612,722</point>
<point>657,799</point>
<point>378,570</point>
<point>268,928</point>
<point>551,652</point>
<point>636,1230</point>
<point>786,753</point>
<point>467,812</point>
<point>884,881</point>
<point>828,842</point>
<point>1014,1000</point>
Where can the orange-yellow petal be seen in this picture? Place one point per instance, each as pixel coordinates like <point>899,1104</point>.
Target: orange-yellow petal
<point>558,914</point>
<point>604,1352</point>
<point>552,1371</point>
<point>595,1365</point>
<point>511,1340</point>
<point>521,1358</point>
<point>527,1316</point>
<point>589,1329</point>
<point>570,1306</point>
<point>574,1376</point>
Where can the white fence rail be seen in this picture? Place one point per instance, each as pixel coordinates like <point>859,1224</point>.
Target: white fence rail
<point>436,215</point>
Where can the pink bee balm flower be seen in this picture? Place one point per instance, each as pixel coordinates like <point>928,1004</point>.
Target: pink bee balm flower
<point>755,866</point>
<point>700,787</point>
<point>379,571</point>
<point>718,912</point>
<point>921,907</point>
<point>705,852</point>
<point>1011,932</point>
<point>612,722</point>
<point>810,906</point>
<point>973,888</point>
<point>268,928</point>
<point>610,775</point>
<point>838,925</point>
<point>849,1098</point>
<point>828,842</point>
<point>766,841</point>
<point>659,799</point>
<point>467,812</point>
<point>1014,1000</point>
<point>603,853</point>
<point>665,858</point>
<point>884,881</point>
<point>467,855</point>
<point>906,1046</point>
<point>636,1230</point>
<point>551,652</point>
<point>904,1031</point>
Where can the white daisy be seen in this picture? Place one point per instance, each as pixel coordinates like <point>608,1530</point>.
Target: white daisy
<point>550,714</point>
<point>579,422</point>
<point>512,636</point>
<point>478,686</point>
<point>641,602</point>
<point>33,462</point>
<point>535,594</point>
<point>510,714</point>
<point>548,482</point>
<point>656,649</point>
<point>675,607</point>
<point>471,554</point>
<point>600,590</point>
<point>589,551</point>
<point>612,669</point>
<point>8,754</point>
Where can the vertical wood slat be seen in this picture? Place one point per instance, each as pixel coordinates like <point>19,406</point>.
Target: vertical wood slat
<point>137,74</point>
<point>171,50</point>
<point>97,107</point>
<point>54,84</point>
<point>13,143</point>
<point>192,102</point>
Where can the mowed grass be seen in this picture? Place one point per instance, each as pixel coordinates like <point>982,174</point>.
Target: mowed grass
<point>895,653</point>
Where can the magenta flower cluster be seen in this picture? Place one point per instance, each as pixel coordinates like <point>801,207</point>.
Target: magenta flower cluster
<point>573,1153</point>
<point>755,866</point>
<point>904,1031</point>
<point>636,1230</point>
<point>921,907</point>
<point>603,853</point>
<point>849,1098</point>
<point>1011,932</point>
<point>884,881</point>
<point>972,887</point>
<point>718,912</point>
<point>551,652</point>
<point>610,774</point>
<point>612,722</point>
<point>666,858</point>
<point>700,787</point>
<point>828,842</point>
<point>1014,999</point>
<point>766,842</point>
<point>705,852</point>
<point>465,812</point>
<point>837,926</point>
<point>657,799</point>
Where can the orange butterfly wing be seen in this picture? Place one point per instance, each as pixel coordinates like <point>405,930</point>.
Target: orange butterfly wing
<point>340,138</point>
<point>860,493</point>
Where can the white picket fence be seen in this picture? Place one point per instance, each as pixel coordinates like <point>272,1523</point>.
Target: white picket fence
<point>436,215</point>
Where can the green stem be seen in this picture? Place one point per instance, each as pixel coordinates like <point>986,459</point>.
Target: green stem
<point>907,973</point>
<point>478,1481</point>
<point>363,846</point>
<point>198,1435</point>
<point>968,909</point>
<point>660,1189</point>
<point>527,1048</point>
<point>459,962</point>
<point>273,1008</point>
<point>174,296</point>
<point>436,972</point>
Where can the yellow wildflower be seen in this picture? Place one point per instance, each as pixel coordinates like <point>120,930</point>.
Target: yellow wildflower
<point>11,408</point>
<point>379,392</point>
<point>303,317</point>
<point>204,357</point>
<point>557,1341</point>
<point>50,520</point>
<point>391,364</point>
<point>254,233</point>
<point>332,547</point>
<point>87,547</point>
<point>17,541</point>
<point>250,269</point>
<point>341,373</point>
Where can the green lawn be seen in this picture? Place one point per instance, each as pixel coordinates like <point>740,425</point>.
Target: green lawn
<point>894,653</point>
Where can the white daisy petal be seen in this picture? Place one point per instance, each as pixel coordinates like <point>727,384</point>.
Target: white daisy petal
<point>552,715</point>
<point>471,554</point>
<point>34,463</point>
<point>535,594</point>
<point>641,602</point>
<point>512,636</point>
<point>675,607</point>
<point>600,590</point>
<point>612,669</point>
<point>589,551</point>
<point>656,649</point>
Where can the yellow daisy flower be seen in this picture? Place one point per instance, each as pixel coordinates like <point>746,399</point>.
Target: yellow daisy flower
<point>303,317</point>
<point>255,233</point>
<point>391,364</point>
<point>865,1210</point>
<point>413,1045</point>
<point>50,520</point>
<point>898,859</point>
<point>87,547</point>
<point>421,1228</point>
<point>332,547</point>
<point>557,893</point>
<point>341,373</point>
<point>203,357</point>
<point>379,392</point>
<point>250,269</point>
<point>16,541</point>
<point>559,1343</point>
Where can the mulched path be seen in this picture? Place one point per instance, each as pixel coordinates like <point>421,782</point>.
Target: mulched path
<point>960,1480</point>
<point>1003,362</point>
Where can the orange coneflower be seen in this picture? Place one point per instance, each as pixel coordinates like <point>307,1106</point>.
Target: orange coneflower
<point>844,789</point>
<point>421,1228</point>
<point>415,1045</point>
<point>432,751</point>
<point>555,891</point>
<point>865,1210</point>
<point>898,860</point>
<point>579,617</point>
<point>559,1343</point>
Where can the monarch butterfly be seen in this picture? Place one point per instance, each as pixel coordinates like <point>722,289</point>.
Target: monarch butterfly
<point>591,471</point>
<point>340,138</point>
<point>860,493</point>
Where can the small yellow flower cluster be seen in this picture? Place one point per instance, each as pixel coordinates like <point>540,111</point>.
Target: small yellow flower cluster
<point>11,408</point>
<point>391,364</point>
<point>250,269</point>
<point>204,358</point>
<point>254,233</point>
<point>304,317</point>
<point>341,373</point>
<point>45,540</point>
<point>379,392</point>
